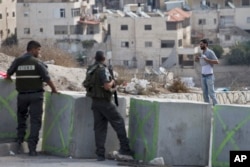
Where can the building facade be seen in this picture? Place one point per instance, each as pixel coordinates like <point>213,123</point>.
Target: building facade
<point>58,21</point>
<point>223,22</point>
<point>152,39</point>
<point>7,19</point>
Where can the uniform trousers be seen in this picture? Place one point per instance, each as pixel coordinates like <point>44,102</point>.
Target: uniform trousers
<point>105,111</point>
<point>29,104</point>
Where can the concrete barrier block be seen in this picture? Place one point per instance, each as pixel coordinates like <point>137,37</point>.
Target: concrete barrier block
<point>69,126</point>
<point>231,132</point>
<point>177,130</point>
<point>8,107</point>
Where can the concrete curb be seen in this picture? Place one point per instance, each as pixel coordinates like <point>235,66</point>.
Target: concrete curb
<point>8,148</point>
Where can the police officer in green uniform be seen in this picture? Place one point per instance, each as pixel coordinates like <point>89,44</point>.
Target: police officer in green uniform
<point>30,75</point>
<point>104,109</point>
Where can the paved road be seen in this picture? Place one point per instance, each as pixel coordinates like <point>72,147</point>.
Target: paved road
<point>51,161</point>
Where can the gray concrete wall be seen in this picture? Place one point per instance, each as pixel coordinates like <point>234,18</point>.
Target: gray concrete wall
<point>69,126</point>
<point>230,97</point>
<point>231,131</point>
<point>8,106</point>
<point>178,131</point>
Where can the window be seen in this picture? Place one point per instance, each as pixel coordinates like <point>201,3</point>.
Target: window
<point>125,44</point>
<point>76,29</point>
<point>125,63</point>
<point>93,29</point>
<point>202,21</point>
<point>26,30</point>
<point>167,43</point>
<point>41,29</point>
<point>180,42</point>
<point>75,12</point>
<point>8,31</point>
<point>164,59</point>
<point>148,44</point>
<point>124,27</point>
<point>227,37</point>
<point>26,14</point>
<point>1,17</point>
<point>1,33</point>
<point>147,27</point>
<point>215,21</point>
<point>171,26</point>
<point>186,23</point>
<point>62,13</point>
<point>208,3</point>
<point>248,19</point>
<point>13,14</point>
<point>245,2</point>
<point>184,36</point>
<point>7,14</point>
<point>60,29</point>
<point>149,62</point>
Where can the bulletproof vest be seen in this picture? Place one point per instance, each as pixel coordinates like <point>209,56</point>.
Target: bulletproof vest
<point>27,76</point>
<point>97,90</point>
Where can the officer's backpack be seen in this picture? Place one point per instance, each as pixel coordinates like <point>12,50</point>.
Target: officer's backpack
<point>90,79</point>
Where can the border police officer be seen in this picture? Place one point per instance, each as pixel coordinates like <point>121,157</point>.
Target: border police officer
<point>104,109</point>
<point>30,75</point>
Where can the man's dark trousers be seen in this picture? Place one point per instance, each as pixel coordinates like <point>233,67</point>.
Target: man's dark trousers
<point>105,111</point>
<point>29,104</point>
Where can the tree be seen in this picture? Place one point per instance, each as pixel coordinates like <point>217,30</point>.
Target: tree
<point>12,40</point>
<point>239,54</point>
<point>218,50</point>
<point>88,44</point>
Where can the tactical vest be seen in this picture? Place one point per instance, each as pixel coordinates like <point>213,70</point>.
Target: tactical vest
<point>97,90</point>
<point>28,77</point>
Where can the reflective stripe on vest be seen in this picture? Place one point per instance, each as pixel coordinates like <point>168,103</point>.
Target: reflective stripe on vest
<point>29,76</point>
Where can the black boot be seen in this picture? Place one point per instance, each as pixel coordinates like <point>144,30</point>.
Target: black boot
<point>19,146</point>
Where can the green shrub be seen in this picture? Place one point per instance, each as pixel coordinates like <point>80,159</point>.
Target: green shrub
<point>218,50</point>
<point>239,54</point>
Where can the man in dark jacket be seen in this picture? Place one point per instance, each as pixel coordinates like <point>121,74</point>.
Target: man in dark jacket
<point>104,110</point>
<point>30,75</point>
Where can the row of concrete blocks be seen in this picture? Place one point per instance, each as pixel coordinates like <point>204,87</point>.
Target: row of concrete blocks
<point>179,131</point>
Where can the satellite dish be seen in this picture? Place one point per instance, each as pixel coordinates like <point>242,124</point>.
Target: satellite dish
<point>162,70</point>
<point>231,5</point>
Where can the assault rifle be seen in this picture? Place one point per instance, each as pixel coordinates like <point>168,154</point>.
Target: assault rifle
<point>115,92</point>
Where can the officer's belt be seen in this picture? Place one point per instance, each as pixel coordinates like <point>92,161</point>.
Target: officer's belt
<point>29,92</point>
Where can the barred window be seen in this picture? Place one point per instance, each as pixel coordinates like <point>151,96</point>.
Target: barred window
<point>171,26</point>
<point>124,27</point>
<point>167,43</point>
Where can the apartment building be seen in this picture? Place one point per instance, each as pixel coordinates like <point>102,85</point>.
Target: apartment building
<point>58,21</point>
<point>222,21</point>
<point>7,19</point>
<point>152,39</point>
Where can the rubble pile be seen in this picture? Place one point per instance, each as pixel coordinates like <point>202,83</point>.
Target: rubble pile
<point>70,79</point>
